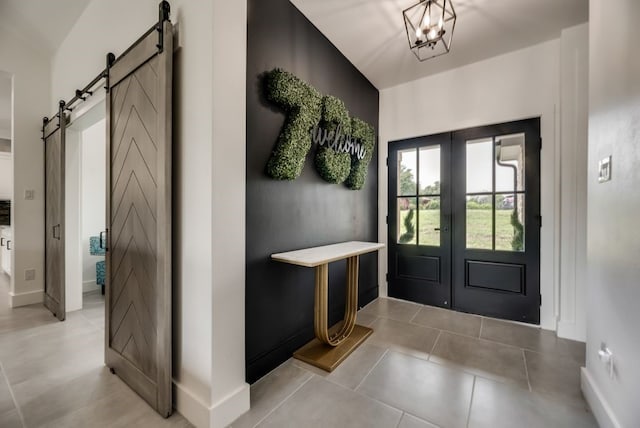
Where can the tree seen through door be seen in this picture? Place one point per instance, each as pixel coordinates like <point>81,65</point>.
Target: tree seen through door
<point>419,186</point>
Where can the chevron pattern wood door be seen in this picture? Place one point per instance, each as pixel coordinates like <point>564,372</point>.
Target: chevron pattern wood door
<point>138,291</point>
<point>54,298</point>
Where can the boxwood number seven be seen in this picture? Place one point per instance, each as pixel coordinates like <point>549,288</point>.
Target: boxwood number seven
<point>307,109</point>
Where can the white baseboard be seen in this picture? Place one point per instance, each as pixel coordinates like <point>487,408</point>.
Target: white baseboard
<point>190,406</point>
<point>89,286</point>
<point>24,299</point>
<point>570,330</point>
<point>230,407</point>
<point>220,415</point>
<point>597,402</point>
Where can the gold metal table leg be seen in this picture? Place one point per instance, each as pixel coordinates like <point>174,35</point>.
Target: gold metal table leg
<point>322,303</point>
<point>332,346</point>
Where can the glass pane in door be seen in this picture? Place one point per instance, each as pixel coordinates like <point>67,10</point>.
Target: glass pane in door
<point>407,172</point>
<point>479,215</point>
<point>407,220</point>
<point>429,180</point>
<point>480,166</point>
<point>510,222</point>
<point>510,163</point>
<point>429,221</point>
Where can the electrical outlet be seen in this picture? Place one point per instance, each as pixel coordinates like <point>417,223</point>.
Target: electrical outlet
<point>29,274</point>
<point>606,357</point>
<point>29,195</point>
<point>604,170</point>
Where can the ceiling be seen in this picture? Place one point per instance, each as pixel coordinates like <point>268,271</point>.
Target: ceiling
<point>43,24</point>
<point>371,34</point>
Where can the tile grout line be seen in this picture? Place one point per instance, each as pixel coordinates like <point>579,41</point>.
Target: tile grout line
<point>372,368</point>
<point>415,315</point>
<point>435,342</point>
<point>13,397</point>
<point>400,420</point>
<point>473,391</point>
<point>482,339</point>
<point>444,330</point>
<point>283,401</point>
<point>482,318</point>
<point>422,419</point>
<point>526,370</point>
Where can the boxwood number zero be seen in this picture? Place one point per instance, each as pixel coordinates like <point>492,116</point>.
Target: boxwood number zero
<point>345,143</point>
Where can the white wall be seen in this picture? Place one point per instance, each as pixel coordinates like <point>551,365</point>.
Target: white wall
<point>229,23</point>
<point>613,234</point>
<point>93,184</point>
<point>30,69</point>
<point>209,135</point>
<point>517,85</point>
<point>574,97</point>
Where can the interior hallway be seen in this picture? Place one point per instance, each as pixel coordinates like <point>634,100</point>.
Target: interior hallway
<point>52,373</point>
<point>426,367</point>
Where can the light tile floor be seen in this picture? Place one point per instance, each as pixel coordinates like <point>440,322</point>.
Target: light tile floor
<point>429,367</point>
<point>423,367</point>
<point>52,373</point>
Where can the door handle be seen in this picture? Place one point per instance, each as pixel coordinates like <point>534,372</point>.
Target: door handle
<point>54,232</point>
<point>445,229</point>
<point>103,241</point>
<point>8,246</point>
<point>1,242</point>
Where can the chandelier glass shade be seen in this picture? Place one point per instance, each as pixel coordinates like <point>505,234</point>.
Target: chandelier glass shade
<point>430,25</point>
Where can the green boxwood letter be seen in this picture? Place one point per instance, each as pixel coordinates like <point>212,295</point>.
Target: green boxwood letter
<point>303,105</point>
<point>332,165</point>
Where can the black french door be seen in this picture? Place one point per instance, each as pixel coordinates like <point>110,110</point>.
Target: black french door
<point>464,220</point>
<point>420,220</point>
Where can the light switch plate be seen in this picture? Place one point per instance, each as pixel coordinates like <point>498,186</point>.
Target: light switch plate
<point>29,274</point>
<point>604,170</point>
<point>29,195</point>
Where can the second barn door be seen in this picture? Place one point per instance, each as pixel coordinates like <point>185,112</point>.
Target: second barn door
<point>138,257</point>
<point>54,289</point>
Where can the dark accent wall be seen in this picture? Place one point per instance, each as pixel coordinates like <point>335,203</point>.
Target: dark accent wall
<point>306,212</point>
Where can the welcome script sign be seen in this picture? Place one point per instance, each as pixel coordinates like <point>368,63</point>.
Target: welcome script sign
<point>345,144</point>
<point>337,141</point>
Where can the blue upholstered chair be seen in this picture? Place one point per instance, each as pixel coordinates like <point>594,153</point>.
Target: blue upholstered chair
<point>95,250</point>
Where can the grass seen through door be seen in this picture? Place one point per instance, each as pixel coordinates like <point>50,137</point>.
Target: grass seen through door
<point>479,229</point>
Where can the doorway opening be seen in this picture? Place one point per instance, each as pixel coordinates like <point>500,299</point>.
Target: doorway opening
<point>6,187</point>
<point>464,220</point>
<point>85,208</point>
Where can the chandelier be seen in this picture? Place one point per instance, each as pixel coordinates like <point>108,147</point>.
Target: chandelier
<point>429,26</point>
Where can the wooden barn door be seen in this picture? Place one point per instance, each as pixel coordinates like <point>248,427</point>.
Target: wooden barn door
<point>138,257</point>
<point>54,290</point>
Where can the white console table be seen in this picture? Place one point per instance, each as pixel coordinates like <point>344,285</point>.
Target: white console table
<point>332,345</point>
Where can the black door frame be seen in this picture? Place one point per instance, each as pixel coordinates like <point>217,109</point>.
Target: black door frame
<point>461,297</point>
